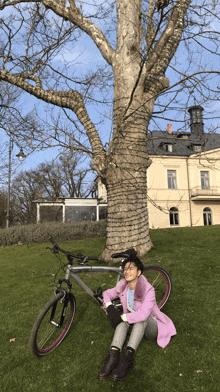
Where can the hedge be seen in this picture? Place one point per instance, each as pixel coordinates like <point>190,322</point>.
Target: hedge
<point>41,232</point>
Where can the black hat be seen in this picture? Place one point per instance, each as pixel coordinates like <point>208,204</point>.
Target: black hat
<point>133,259</point>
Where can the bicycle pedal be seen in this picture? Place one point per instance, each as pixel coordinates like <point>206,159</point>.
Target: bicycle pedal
<point>104,310</point>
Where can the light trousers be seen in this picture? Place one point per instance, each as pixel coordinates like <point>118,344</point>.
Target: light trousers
<point>146,329</point>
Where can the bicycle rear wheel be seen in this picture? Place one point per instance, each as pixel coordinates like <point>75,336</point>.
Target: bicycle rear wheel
<point>52,324</point>
<point>160,279</point>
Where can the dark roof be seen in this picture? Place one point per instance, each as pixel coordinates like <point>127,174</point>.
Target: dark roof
<point>182,143</point>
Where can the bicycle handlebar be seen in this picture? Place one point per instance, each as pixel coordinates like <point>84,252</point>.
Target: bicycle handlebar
<point>79,256</point>
<point>125,255</point>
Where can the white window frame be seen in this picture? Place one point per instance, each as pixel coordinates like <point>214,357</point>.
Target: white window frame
<point>174,212</point>
<point>207,216</point>
<point>168,147</point>
<point>205,179</point>
<point>172,179</point>
<point>197,148</point>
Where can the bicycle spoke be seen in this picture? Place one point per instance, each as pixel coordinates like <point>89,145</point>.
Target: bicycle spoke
<point>157,280</point>
<point>160,280</point>
<point>47,335</point>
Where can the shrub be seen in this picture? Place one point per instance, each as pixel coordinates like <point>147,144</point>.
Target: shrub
<point>40,233</point>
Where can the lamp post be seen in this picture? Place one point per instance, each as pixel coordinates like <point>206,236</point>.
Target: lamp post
<point>20,155</point>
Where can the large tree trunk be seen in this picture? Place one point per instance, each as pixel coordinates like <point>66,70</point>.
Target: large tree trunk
<point>127,207</point>
<point>125,180</point>
<point>126,176</point>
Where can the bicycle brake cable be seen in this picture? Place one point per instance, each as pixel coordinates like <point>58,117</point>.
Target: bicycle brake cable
<point>61,266</point>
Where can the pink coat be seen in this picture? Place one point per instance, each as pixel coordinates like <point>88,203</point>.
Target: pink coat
<point>145,305</point>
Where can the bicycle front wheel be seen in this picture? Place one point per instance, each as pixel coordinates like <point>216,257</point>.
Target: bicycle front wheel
<point>52,324</point>
<point>160,279</point>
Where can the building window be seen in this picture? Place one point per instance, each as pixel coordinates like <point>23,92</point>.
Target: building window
<point>205,180</point>
<point>174,216</point>
<point>207,216</point>
<point>168,147</point>
<point>171,179</point>
<point>197,147</point>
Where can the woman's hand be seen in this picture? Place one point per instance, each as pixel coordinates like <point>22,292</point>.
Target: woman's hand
<point>114,316</point>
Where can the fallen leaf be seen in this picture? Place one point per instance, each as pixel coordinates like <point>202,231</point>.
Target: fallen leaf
<point>180,374</point>
<point>12,340</point>
<point>92,342</point>
<point>103,284</point>
<point>198,371</point>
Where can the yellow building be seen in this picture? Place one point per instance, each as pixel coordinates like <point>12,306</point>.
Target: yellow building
<point>184,177</point>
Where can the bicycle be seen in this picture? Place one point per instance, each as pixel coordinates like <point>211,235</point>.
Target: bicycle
<point>55,319</point>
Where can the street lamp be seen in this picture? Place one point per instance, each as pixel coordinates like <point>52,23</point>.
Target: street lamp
<point>21,156</point>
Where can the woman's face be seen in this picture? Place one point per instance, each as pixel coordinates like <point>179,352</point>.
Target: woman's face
<point>131,272</point>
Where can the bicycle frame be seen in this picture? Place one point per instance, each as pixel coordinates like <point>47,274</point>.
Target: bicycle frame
<point>71,273</point>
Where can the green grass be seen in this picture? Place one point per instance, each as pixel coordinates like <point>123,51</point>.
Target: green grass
<point>189,363</point>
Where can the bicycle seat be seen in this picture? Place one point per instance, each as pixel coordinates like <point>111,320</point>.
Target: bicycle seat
<point>126,254</point>
<point>122,255</point>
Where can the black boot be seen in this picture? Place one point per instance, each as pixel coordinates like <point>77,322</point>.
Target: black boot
<point>111,362</point>
<point>125,365</point>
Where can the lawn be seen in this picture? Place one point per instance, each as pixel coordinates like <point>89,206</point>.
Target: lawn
<point>189,363</point>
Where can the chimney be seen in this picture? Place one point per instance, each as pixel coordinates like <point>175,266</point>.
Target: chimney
<point>169,129</point>
<point>196,120</point>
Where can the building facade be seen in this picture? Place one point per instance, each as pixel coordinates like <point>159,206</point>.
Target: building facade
<point>184,191</point>
<point>184,177</point>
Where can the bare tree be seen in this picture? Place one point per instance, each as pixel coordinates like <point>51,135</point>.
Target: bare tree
<point>138,40</point>
<point>3,207</point>
<point>25,190</point>
<point>9,96</point>
<point>48,182</point>
<point>14,126</point>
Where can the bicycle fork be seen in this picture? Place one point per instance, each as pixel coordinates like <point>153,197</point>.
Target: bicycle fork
<point>65,297</point>
<point>62,317</point>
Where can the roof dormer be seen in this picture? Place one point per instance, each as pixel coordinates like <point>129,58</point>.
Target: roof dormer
<point>167,146</point>
<point>197,147</point>
<point>183,135</point>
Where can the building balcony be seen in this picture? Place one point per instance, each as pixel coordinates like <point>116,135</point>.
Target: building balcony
<point>212,193</point>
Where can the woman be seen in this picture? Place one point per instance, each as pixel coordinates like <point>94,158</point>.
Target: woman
<point>140,311</point>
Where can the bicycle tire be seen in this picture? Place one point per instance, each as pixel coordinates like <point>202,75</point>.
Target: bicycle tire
<point>161,280</point>
<point>46,334</point>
